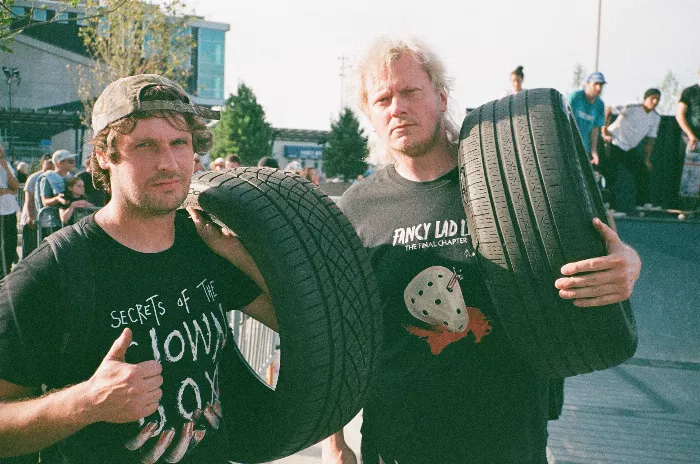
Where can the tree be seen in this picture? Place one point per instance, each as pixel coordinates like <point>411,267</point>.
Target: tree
<point>670,93</point>
<point>243,129</point>
<point>347,150</point>
<point>142,38</point>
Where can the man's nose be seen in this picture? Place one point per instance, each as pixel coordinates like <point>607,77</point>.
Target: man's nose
<point>398,106</point>
<point>167,158</point>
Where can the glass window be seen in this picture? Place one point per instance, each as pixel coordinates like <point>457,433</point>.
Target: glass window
<point>18,11</point>
<point>62,17</point>
<point>39,14</point>
<point>210,87</point>
<point>210,63</point>
<point>81,19</point>
<point>211,52</point>
<point>211,35</point>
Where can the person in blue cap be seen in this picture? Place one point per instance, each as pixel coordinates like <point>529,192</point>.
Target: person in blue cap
<point>589,111</point>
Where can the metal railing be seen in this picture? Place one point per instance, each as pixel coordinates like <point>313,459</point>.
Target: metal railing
<point>256,342</point>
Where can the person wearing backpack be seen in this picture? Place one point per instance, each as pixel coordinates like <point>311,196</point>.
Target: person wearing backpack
<point>128,361</point>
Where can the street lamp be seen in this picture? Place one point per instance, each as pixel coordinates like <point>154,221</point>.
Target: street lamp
<point>597,39</point>
<point>11,76</point>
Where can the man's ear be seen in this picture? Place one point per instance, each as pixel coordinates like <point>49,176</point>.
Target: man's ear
<point>102,159</point>
<point>443,101</point>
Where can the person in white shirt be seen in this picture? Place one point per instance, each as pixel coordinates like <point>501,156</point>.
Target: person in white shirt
<point>636,123</point>
<point>8,216</point>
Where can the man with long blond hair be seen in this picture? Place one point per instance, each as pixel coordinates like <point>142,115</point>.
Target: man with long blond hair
<point>450,388</point>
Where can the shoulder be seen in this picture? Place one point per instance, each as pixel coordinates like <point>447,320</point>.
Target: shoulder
<point>358,194</point>
<point>575,96</point>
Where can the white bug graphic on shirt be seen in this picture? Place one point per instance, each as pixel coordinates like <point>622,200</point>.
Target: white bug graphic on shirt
<point>434,296</point>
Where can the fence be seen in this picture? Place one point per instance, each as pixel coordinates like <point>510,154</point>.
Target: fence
<point>256,342</point>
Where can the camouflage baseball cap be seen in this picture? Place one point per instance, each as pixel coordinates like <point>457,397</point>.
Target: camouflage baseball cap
<point>123,97</point>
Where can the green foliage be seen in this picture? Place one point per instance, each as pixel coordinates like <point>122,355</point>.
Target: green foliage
<point>670,89</point>
<point>347,149</point>
<point>242,129</point>
<point>139,38</point>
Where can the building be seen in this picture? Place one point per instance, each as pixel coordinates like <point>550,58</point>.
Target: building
<point>304,146</point>
<point>39,104</point>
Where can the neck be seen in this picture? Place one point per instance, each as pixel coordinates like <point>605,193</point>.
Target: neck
<point>647,109</point>
<point>146,234</point>
<point>589,97</point>
<point>430,166</point>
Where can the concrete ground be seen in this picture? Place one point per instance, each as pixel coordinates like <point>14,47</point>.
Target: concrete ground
<point>646,410</point>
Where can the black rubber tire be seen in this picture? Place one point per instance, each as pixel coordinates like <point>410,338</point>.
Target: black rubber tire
<point>327,304</point>
<point>530,196</point>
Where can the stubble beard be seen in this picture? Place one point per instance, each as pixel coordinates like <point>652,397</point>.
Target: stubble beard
<point>148,205</point>
<point>422,148</point>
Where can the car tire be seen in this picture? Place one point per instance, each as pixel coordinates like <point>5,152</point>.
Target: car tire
<point>530,196</point>
<point>327,305</point>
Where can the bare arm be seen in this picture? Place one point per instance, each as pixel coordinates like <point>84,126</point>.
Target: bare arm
<point>604,130</point>
<point>648,149</point>
<point>594,145</point>
<point>12,184</point>
<point>66,213</point>
<point>335,450</point>
<point>117,392</point>
<point>58,200</point>
<point>28,207</point>
<point>685,127</point>
<point>30,425</point>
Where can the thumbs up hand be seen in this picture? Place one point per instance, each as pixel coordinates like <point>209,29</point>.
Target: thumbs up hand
<point>121,392</point>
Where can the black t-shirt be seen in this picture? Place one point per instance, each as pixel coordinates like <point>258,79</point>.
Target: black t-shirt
<point>691,97</point>
<point>450,387</point>
<point>175,303</point>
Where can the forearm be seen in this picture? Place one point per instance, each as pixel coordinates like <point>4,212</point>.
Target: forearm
<point>11,179</point>
<point>648,149</point>
<point>683,122</point>
<point>30,425</point>
<point>53,201</point>
<point>243,261</point>
<point>66,214</point>
<point>594,139</point>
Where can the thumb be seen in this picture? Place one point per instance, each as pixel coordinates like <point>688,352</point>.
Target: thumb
<point>119,347</point>
<point>609,236</point>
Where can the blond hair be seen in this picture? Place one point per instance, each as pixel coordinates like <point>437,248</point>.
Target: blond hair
<point>378,59</point>
<point>384,51</point>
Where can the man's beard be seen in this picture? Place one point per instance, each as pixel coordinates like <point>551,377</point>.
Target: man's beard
<point>420,149</point>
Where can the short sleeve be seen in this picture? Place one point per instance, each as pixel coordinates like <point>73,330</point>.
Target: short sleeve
<point>30,309</point>
<point>618,110</point>
<point>239,290</point>
<point>685,96</point>
<point>45,189</point>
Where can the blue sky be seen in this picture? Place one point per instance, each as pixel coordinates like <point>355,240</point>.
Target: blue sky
<point>289,52</point>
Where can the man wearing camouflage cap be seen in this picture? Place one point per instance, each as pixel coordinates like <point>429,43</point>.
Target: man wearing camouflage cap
<point>144,385</point>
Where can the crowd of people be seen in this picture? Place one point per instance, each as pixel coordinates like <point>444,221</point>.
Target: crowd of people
<point>625,163</point>
<point>469,399</point>
<point>68,193</point>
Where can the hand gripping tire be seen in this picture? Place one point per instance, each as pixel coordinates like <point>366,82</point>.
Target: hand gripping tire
<point>327,305</point>
<point>530,196</point>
